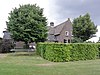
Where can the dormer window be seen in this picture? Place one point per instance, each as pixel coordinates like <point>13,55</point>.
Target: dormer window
<point>66,33</point>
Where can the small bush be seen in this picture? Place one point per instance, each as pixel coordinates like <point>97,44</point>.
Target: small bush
<point>6,46</point>
<point>0,47</point>
<point>77,40</point>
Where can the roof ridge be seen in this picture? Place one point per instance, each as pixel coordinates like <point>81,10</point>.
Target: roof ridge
<point>60,24</point>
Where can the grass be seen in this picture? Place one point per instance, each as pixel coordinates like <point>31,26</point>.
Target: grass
<point>31,64</point>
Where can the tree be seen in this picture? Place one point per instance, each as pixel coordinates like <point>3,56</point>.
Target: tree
<point>77,40</point>
<point>83,27</point>
<point>6,45</point>
<point>27,23</point>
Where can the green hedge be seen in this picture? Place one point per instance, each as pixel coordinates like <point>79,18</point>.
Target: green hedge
<point>59,52</point>
<point>84,51</point>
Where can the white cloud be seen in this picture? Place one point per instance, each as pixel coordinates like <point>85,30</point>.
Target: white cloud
<point>98,33</point>
<point>95,39</point>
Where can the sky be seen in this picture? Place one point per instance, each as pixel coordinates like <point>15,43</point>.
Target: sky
<point>56,11</point>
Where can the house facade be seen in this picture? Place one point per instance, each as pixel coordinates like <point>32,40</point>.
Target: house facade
<point>60,33</point>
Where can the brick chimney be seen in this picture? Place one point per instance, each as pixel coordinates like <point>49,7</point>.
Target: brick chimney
<point>52,24</point>
<point>68,19</point>
<point>6,35</point>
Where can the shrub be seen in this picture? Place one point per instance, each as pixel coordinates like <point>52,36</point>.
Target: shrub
<point>98,45</point>
<point>77,40</point>
<point>84,51</point>
<point>6,46</point>
<point>58,52</point>
<point>0,46</point>
<point>40,49</point>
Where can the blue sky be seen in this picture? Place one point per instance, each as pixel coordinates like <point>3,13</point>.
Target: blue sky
<point>56,11</point>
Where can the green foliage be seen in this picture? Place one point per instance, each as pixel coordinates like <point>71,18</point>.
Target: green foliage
<point>57,52</point>
<point>84,51</point>
<point>77,40</point>
<point>6,46</point>
<point>40,49</point>
<point>27,24</point>
<point>83,27</point>
<point>0,46</point>
<point>54,52</point>
<point>98,45</point>
<point>68,52</point>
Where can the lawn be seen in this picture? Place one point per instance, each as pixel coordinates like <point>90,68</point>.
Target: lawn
<point>28,64</point>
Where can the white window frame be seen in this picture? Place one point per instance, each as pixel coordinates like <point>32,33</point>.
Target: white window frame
<point>66,33</point>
